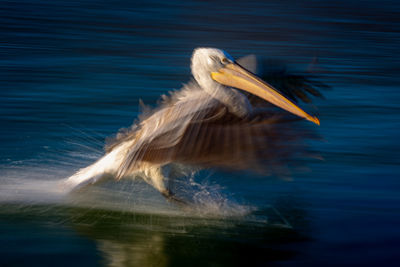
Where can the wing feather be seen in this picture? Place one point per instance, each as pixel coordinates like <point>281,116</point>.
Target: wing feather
<point>193,128</point>
<point>229,142</point>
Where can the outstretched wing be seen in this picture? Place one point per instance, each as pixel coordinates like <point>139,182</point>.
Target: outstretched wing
<point>264,144</point>
<point>197,130</point>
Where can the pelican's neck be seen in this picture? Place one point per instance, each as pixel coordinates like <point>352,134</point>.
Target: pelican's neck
<point>236,102</point>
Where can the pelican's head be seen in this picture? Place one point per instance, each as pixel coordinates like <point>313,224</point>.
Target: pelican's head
<point>208,60</point>
<point>213,68</point>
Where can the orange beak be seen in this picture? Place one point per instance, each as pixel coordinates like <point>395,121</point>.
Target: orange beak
<point>234,75</point>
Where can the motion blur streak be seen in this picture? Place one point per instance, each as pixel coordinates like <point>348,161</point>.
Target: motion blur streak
<point>72,74</point>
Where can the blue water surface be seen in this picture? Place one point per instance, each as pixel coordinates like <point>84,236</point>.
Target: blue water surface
<point>72,74</point>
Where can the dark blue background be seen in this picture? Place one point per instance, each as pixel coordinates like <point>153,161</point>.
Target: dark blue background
<point>72,73</point>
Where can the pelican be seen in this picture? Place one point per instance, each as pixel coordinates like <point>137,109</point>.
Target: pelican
<point>226,117</point>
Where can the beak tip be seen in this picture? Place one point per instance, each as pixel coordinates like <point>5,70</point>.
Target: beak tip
<point>314,120</point>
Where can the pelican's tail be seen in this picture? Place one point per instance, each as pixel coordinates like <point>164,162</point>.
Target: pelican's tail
<point>82,178</point>
<point>93,174</point>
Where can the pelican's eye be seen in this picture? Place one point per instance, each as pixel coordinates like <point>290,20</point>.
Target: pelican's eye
<point>225,60</point>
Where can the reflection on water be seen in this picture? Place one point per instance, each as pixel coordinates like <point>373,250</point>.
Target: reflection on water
<point>136,239</point>
<point>146,252</point>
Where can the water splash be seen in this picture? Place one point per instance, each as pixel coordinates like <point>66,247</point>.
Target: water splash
<point>32,183</point>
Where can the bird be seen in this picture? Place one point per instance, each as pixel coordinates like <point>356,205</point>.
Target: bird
<point>225,117</point>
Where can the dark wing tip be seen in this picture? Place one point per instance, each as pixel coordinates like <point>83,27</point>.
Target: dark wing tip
<point>296,86</point>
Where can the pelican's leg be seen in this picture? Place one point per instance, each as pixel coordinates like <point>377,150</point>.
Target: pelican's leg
<point>172,174</point>
<point>156,178</point>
